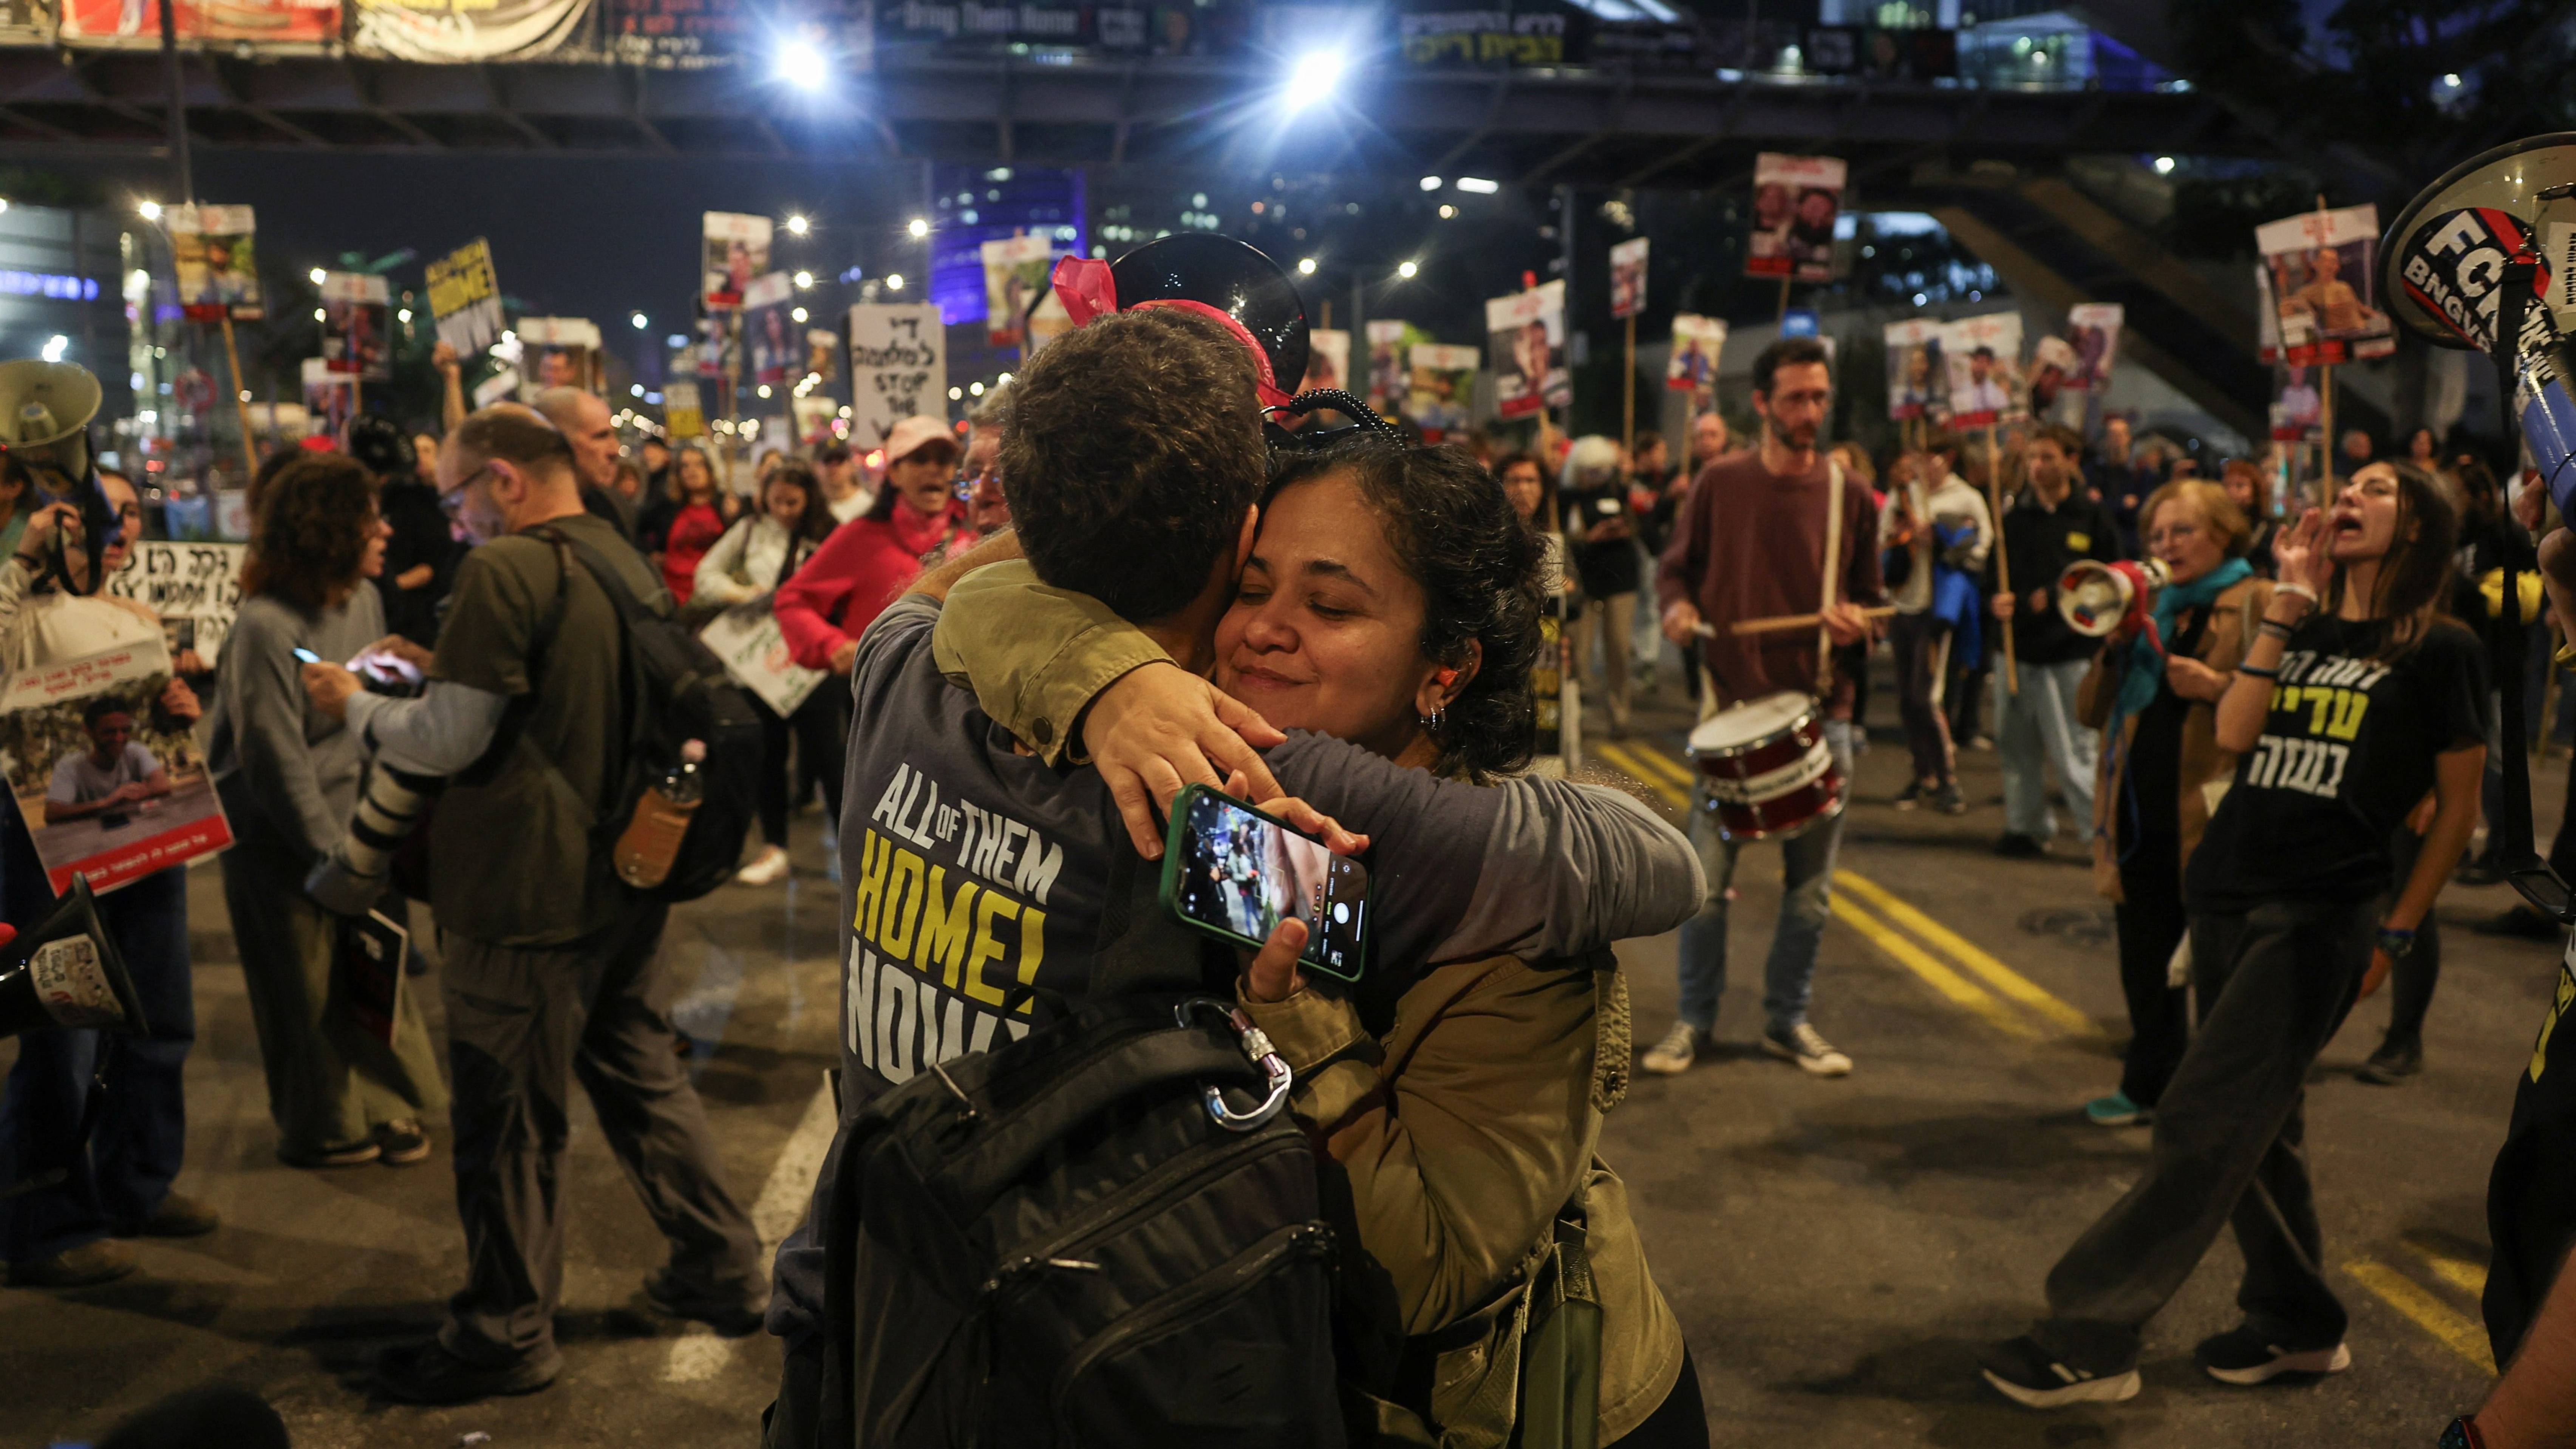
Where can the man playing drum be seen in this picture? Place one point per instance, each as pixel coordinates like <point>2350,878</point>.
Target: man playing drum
<point>1752,543</point>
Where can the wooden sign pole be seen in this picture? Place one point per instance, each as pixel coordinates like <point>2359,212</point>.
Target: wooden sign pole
<point>2003,565</point>
<point>241,401</point>
<point>1628,389</point>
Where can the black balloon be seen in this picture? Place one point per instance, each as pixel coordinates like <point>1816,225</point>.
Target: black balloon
<point>1231,277</point>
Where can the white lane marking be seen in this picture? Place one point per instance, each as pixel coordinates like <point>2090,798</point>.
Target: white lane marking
<point>698,1353</point>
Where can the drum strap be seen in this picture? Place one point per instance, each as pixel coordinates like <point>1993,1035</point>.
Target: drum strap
<point>1833,561</point>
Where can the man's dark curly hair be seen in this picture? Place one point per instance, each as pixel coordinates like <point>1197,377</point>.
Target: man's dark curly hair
<point>1454,531</point>
<point>1132,448</point>
<point>310,538</point>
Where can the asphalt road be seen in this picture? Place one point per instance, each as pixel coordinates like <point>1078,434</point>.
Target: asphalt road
<point>1834,1248</point>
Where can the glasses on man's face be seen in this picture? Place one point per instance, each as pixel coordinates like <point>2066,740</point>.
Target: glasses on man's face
<point>453,500</point>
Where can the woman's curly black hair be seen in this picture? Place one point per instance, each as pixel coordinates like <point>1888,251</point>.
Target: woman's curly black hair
<point>310,539</point>
<point>1478,566</point>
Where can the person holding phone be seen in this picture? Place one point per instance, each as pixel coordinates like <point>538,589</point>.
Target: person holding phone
<point>1392,599</point>
<point>288,777</point>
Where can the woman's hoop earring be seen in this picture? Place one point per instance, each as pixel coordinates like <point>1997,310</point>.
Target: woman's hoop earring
<point>1434,721</point>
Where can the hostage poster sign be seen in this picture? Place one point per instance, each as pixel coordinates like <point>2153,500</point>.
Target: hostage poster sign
<point>110,786</point>
<point>2322,266</point>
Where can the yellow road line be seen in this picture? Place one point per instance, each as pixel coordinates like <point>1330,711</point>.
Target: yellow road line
<point>2453,1328</point>
<point>1995,973</point>
<point>1949,983</point>
<point>1637,770</point>
<point>1672,769</point>
<point>2461,1273</point>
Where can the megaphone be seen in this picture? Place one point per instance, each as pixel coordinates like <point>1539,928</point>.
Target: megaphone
<point>2099,599</point>
<point>2447,263</point>
<point>66,972</point>
<point>44,403</point>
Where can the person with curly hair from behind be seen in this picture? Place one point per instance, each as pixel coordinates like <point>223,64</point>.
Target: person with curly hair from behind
<point>288,775</point>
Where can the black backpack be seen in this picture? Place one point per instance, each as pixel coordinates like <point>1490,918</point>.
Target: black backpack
<point>676,691</point>
<point>1106,1233</point>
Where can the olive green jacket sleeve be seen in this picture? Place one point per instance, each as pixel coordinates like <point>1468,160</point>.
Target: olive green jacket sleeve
<point>1035,656</point>
<point>1461,1143</point>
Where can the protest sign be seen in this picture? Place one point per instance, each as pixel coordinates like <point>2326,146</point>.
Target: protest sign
<point>1795,202</point>
<point>367,971</point>
<point>1390,345</point>
<point>773,337</point>
<point>326,398</point>
<point>357,325</point>
<point>107,785</point>
<point>559,352</point>
<point>2093,330</point>
<point>1918,385</point>
<point>898,367</point>
<point>2324,269</point>
<point>814,414</point>
<point>1697,341</point>
<point>218,270</point>
<point>1525,339</point>
<point>747,639</point>
<point>1442,398</point>
<point>1047,321</point>
<point>2052,362</point>
<point>442,31</point>
<point>822,354</point>
<point>1628,277</point>
<point>465,298</point>
<point>736,250</point>
<point>1328,360</point>
<point>1984,358</point>
<point>194,587</point>
<point>683,416</point>
<point>1015,269</point>
<point>130,24</point>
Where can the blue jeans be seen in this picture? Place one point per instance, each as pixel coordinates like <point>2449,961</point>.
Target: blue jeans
<point>115,1178</point>
<point>2037,728</point>
<point>1806,892</point>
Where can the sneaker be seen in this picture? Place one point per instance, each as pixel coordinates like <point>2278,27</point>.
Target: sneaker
<point>176,1216</point>
<point>426,1373</point>
<point>356,1154</point>
<point>728,1311</point>
<point>1982,742</point>
<point>2393,1063</point>
<point>2028,1375</point>
<point>2521,920</point>
<point>767,868</point>
<point>1949,801</point>
<point>2479,872</point>
<point>2246,1355</point>
<point>1913,793</point>
<point>104,1261</point>
<point>1807,1047</point>
<point>400,1144</point>
<point>2116,1110</point>
<point>1675,1053</point>
<point>2017,846</point>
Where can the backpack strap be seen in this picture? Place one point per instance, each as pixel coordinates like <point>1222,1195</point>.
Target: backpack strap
<point>541,642</point>
<point>631,612</point>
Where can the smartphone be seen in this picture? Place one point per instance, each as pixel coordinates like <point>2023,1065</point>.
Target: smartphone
<point>308,656</point>
<point>1234,872</point>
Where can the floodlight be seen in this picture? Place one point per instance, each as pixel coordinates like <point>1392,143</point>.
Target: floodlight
<point>2164,165</point>
<point>1479,185</point>
<point>798,226</point>
<point>804,279</point>
<point>894,281</point>
<point>316,274</point>
<point>1431,183</point>
<point>639,320</point>
<point>148,210</point>
<point>1406,270</point>
<point>55,347</point>
<point>1313,77</point>
<point>1305,266</point>
<point>919,228</point>
<point>802,66</point>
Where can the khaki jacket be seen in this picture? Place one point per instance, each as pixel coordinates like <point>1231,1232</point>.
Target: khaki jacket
<point>1455,1135</point>
<point>2206,769</point>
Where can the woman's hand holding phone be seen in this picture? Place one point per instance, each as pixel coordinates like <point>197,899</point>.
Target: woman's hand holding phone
<point>1160,728</point>
<point>1272,974</point>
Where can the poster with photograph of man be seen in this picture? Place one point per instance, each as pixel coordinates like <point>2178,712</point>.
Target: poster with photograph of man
<point>1796,200</point>
<point>1628,277</point>
<point>776,339</point>
<point>1442,399</point>
<point>737,250</point>
<point>1983,355</point>
<point>2323,271</point>
<point>111,785</point>
<point>357,325</point>
<point>1918,382</point>
<point>1390,350</point>
<point>559,352</point>
<point>1525,344</point>
<point>2093,330</point>
<point>218,272</point>
<point>1015,271</point>
<point>1328,360</point>
<point>1697,341</point>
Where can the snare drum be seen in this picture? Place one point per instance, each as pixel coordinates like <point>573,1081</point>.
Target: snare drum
<point>1765,769</point>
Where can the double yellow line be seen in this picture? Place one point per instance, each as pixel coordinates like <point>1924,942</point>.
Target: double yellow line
<point>1953,966</point>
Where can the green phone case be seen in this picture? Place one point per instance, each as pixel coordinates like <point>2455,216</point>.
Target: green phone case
<point>1172,828</point>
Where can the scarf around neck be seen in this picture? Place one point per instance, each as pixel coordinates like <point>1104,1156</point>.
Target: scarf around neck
<point>2147,653</point>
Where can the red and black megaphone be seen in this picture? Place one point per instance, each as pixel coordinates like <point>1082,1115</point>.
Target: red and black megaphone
<point>65,972</point>
<point>2099,599</point>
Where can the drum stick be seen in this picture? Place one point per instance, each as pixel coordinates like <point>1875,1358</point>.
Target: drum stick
<point>1783,623</point>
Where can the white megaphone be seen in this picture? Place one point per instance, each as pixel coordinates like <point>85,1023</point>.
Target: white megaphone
<point>2098,599</point>
<point>2446,262</point>
<point>65,972</point>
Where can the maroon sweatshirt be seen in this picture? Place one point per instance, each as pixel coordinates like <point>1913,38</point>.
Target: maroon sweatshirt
<point>1750,544</point>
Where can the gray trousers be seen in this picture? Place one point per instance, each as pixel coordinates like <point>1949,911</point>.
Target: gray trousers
<point>520,1025</point>
<point>2273,985</point>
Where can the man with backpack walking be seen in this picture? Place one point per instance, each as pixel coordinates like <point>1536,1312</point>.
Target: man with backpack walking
<point>551,961</point>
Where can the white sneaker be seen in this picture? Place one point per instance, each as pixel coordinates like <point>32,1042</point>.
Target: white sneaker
<point>1807,1047</point>
<point>1675,1053</point>
<point>767,868</point>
